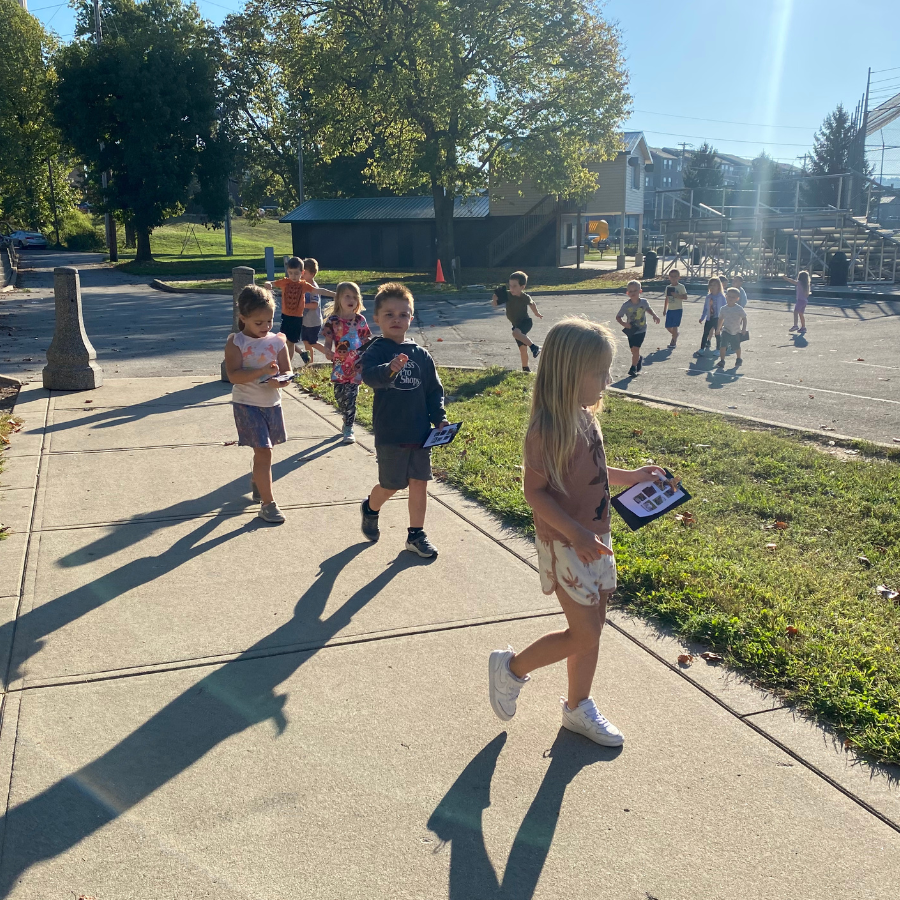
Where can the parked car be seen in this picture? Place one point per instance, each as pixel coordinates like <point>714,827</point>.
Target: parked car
<point>27,239</point>
<point>630,235</point>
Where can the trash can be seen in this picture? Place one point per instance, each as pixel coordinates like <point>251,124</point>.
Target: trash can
<point>650,261</point>
<point>839,267</point>
<point>695,256</point>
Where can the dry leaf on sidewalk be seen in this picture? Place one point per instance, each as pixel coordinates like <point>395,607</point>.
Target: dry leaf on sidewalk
<point>230,443</point>
<point>685,659</point>
<point>711,657</point>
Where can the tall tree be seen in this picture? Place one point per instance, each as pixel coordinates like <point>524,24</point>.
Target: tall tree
<point>832,153</point>
<point>30,145</point>
<point>703,175</point>
<point>274,102</point>
<point>443,91</point>
<point>143,106</point>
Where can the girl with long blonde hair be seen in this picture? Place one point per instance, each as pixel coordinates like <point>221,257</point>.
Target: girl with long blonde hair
<point>804,288</point>
<point>567,486</point>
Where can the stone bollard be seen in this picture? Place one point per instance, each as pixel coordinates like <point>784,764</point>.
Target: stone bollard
<point>71,364</point>
<point>240,278</point>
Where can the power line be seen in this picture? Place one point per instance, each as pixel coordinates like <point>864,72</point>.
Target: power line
<point>647,112</point>
<point>40,8</point>
<point>698,137</point>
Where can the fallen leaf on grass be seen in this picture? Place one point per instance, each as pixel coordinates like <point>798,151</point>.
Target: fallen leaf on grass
<point>781,526</point>
<point>886,592</point>
<point>711,657</point>
<point>792,631</point>
<point>637,432</point>
<point>686,518</point>
<point>685,659</point>
<point>771,547</point>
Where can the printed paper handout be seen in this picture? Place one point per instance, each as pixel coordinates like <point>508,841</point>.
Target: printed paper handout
<point>643,503</point>
<point>441,436</point>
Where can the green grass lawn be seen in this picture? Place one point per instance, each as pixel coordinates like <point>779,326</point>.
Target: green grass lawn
<point>804,618</point>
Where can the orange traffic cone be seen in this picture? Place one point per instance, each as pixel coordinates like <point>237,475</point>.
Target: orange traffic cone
<point>439,278</point>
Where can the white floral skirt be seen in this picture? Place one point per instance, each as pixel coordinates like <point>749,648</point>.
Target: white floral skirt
<point>560,567</point>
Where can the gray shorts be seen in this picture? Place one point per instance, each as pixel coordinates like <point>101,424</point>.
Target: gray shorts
<point>397,465</point>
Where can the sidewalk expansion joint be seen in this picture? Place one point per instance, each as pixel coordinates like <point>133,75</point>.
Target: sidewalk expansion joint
<point>291,440</point>
<point>206,662</point>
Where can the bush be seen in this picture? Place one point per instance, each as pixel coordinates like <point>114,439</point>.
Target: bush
<point>78,233</point>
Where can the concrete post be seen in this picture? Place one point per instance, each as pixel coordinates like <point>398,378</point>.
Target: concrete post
<point>71,359</point>
<point>241,276</point>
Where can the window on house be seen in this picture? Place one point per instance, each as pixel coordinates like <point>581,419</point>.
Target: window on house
<point>636,177</point>
<point>647,180</point>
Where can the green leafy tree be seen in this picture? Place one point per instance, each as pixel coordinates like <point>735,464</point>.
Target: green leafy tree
<point>703,175</point>
<point>442,92</point>
<point>143,106</point>
<point>30,145</point>
<point>834,149</point>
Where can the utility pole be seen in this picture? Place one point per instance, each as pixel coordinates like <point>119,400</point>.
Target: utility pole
<point>109,223</point>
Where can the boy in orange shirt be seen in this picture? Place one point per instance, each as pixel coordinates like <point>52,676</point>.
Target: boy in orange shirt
<point>293,301</point>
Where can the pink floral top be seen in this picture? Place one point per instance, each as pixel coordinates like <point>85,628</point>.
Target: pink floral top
<point>348,335</point>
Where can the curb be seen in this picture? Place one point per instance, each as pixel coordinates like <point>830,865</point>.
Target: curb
<point>768,423</point>
<point>9,381</point>
<point>169,289</point>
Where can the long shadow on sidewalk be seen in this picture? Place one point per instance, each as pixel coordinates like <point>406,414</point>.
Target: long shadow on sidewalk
<point>24,635</point>
<point>459,820</point>
<point>240,694</point>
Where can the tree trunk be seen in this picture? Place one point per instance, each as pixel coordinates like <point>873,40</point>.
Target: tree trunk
<point>143,245</point>
<point>443,220</point>
<point>130,237</point>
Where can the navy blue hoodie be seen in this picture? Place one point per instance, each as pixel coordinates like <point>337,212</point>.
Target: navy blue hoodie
<point>407,405</point>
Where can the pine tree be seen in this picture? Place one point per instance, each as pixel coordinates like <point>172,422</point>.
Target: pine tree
<point>832,154</point>
<point>703,175</point>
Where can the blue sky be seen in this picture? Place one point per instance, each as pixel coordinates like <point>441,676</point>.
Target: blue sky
<point>746,74</point>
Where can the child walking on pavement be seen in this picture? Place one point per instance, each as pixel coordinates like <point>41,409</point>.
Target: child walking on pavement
<point>673,309</point>
<point>253,356</point>
<point>804,289</point>
<point>409,399</point>
<point>567,486</point>
<point>294,288</point>
<point>732,321</point>
<point>344,332</point>
<point>633,317</point>
<point>712,305</point>
<point>312,313</point>
<point>512,296</point>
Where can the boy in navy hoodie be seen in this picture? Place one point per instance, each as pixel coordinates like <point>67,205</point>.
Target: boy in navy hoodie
<point>409,400</point>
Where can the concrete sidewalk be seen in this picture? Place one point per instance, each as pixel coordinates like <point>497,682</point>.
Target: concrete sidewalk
<point>196,704</point>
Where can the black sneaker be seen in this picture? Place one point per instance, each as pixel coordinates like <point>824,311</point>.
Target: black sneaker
<point>632,372</point>
<point>526,368</point>
<point>369,523</point>
<point>421,545</point>
<point>535,349</point>
<point>305,357</point>
<point>640,364</point>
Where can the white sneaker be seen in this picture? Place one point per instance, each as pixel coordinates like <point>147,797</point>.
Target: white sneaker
<point>586,719</point>
<point>503,686</point>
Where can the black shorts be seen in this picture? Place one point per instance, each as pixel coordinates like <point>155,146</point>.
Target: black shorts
<point>731,342</point>
<point>636,338</point>
<point>524,326</point>
<point>397,465</point>
<point>310,333</point>
<point>292,326</point>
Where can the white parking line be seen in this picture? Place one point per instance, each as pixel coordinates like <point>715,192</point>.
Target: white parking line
<point>859,362</point>
<point>810,388</point>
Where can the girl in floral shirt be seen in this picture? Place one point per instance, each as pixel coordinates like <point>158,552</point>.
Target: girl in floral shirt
<point>567,486</point>
<point>344,332</point>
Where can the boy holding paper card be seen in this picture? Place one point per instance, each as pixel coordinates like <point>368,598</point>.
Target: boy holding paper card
<point>409,399</point>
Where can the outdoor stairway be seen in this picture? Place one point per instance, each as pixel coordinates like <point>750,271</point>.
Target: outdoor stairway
<point>782,243</point>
